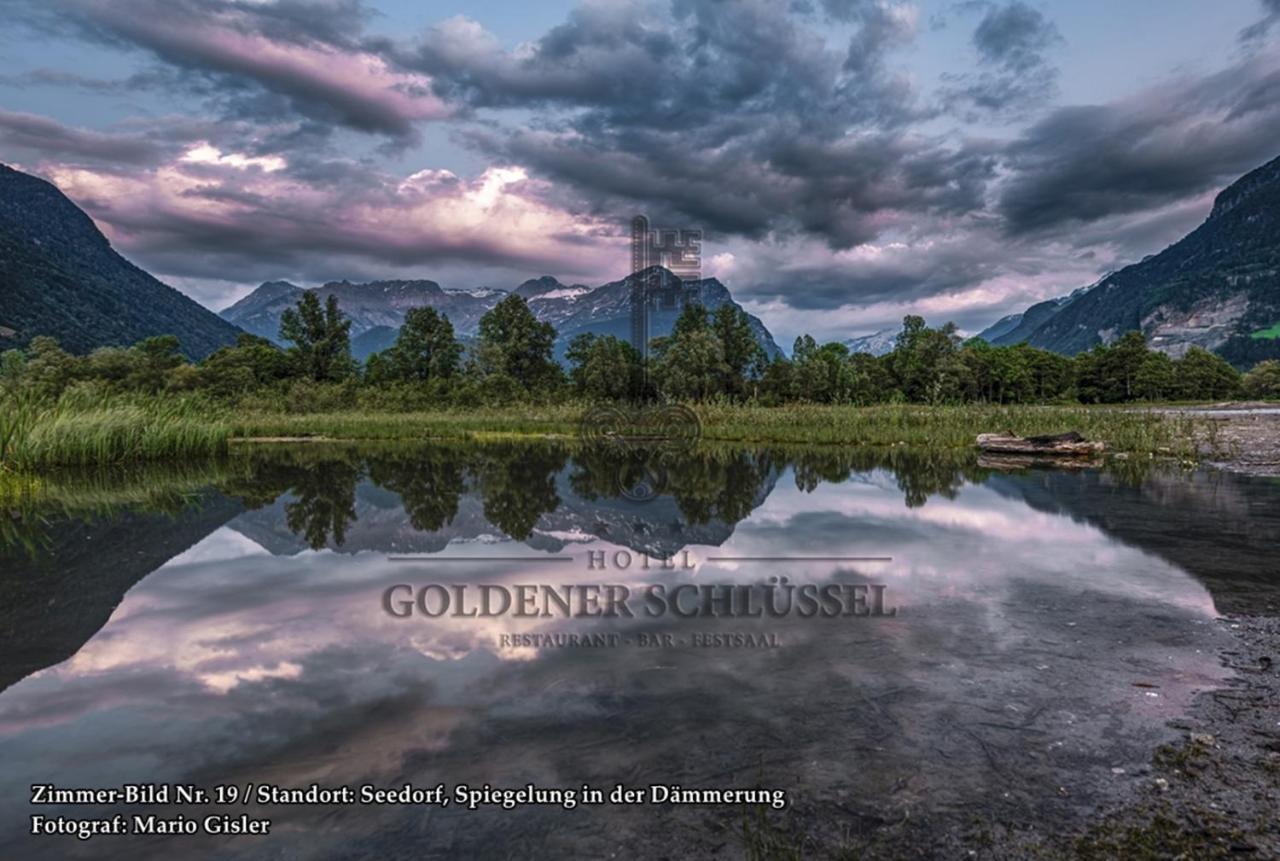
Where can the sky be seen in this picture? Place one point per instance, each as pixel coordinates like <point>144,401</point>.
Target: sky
<point>847,161</point>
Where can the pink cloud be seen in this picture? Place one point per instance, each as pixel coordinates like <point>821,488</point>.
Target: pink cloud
<point>353,86</point>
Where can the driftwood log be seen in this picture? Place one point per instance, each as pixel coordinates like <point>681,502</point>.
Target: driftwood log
<point>1061,445</point>
<point>1020,462</point>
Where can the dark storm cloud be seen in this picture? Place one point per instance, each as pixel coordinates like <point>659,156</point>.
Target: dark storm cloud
<point>688,65</point>
<point>306,54</point>
<point>46,138</point>
<point>844,191</point>
<point>743,123</point>
<point>1014,74</point>
<point>1085,163</point>
<point>895,278</point>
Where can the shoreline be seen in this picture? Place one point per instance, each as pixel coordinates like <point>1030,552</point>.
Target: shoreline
<point>128,431</point>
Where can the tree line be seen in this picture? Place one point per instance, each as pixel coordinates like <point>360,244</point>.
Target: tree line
<point>707,356</point>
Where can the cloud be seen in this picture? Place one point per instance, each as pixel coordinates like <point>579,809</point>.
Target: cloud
<point>301,52</point>
<point>791,133</point>
<point>746,124</point>
<point>206,212</point>
<point>1014,35</point>
<point>1014,74</point>
<point>1179,139</point>
<point>49,138</point>
<point>1258,31</point>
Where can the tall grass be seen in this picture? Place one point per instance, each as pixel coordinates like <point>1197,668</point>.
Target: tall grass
<point>518,419</point>
<point>1123,429</point>
<point>78,431</point>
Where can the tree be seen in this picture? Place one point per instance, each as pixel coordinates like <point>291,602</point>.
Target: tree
<point>822,374</point>
<point>870,380</point>
<point>425,349</point>
<point>925,363</point>
<point>1156,379</point>
<point>1108,374</point>
<point>515,343</point>
<point>13,365</point>
<point>252,362</point>
<point>691,366</point>
<point>50,369</point>
<point>743,355</point>
<point>153,360</point>
<point>1203,376</point>
<point>777,381</point>
<point>1263,381</point>
<point>693,318</point>
<point>1125,359</point>
<point>604,368</point>
<point>321,338</point>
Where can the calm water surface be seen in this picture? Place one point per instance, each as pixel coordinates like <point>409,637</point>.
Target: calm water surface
<point>225,625</point>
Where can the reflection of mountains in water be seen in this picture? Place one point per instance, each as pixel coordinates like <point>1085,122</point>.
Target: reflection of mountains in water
<point>658,527</point>
<point>53,602</point>
<point>1217,526</point>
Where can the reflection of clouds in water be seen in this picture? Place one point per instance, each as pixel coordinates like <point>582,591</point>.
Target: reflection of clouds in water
<point>970,547</point>
<point>231,661</point>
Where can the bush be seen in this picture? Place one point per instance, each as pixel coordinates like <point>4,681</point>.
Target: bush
<point>1263,381</point>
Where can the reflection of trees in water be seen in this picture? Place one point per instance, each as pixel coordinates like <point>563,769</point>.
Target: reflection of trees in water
<point>33,508</point>
<point>602,471</point>
<point>323,480</point>
<point>429,482</point>
<point>707,484</point>
<point>720,485</point>
<point>518,485</point>
<point>516,482</point>
<point>326,503</point>
<point>920,473</point>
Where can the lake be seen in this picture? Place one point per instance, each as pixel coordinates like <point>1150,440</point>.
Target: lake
<point>244,624</point>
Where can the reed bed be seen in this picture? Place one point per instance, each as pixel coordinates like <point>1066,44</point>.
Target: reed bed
<point>1123,429</point>
<point>36,435</point>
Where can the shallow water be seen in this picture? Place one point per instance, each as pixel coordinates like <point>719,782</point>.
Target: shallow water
<point>229,628</point>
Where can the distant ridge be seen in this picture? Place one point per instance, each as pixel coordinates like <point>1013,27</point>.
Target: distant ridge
<point>60,277</point>
<point>1217,288</point>
<point>377,309</point>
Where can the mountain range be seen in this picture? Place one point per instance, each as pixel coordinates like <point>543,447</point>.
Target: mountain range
<point>1216,288</point>
<point>877,343</point>
<point>377,309</point>
<point>60,276</point>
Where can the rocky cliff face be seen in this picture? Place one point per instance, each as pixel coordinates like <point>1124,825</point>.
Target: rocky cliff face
<point>1214,288</point>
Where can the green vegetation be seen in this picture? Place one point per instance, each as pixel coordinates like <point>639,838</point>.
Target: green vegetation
<point>74,430</point>
<point>1263,381</point>
<point>119,430</point>
<point>148,402</point>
